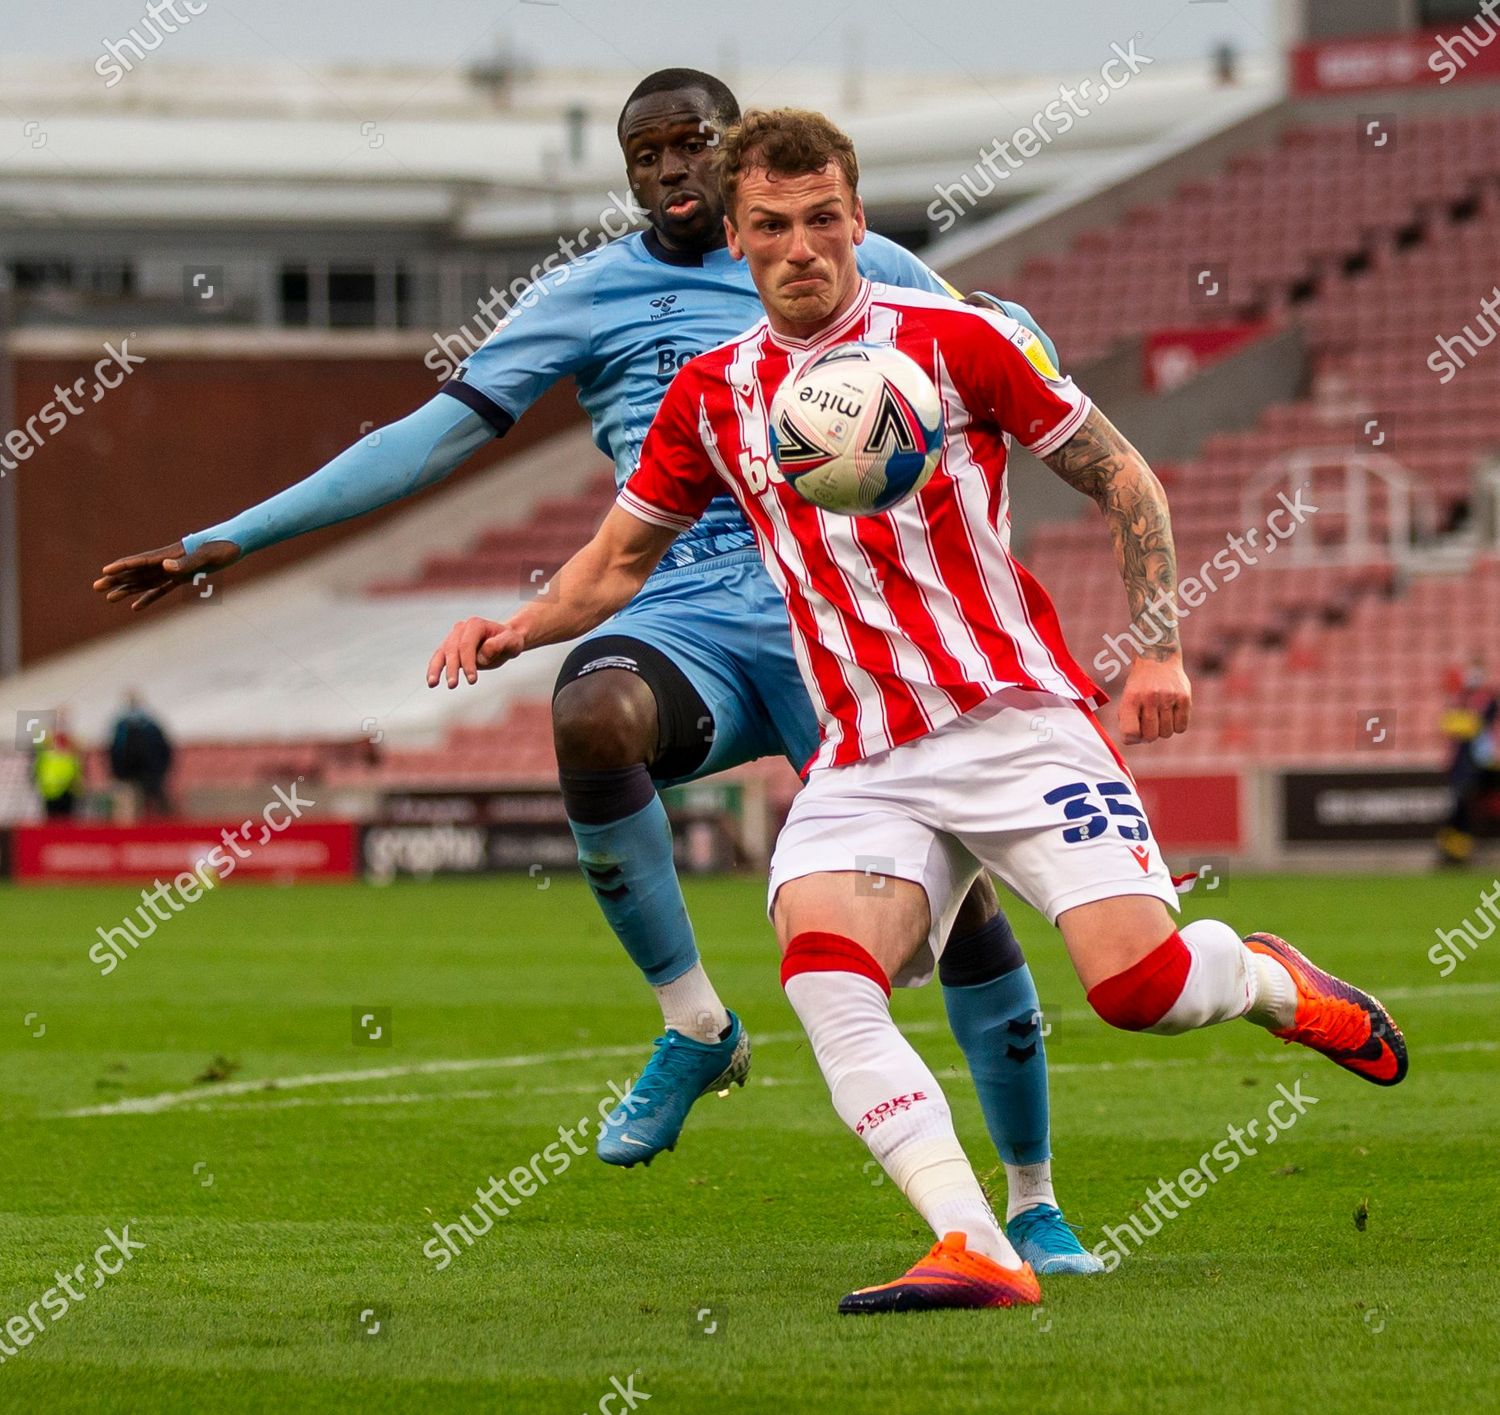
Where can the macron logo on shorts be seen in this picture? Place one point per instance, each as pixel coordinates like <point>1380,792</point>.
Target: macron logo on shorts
<point>886,1109</point>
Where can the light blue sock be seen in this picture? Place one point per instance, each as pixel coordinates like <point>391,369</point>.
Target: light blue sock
<point>997,1021</point>
<point>628,864</point>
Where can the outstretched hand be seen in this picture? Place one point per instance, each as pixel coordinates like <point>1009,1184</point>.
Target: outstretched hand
<point>155,573</point>
<point>473,645</point>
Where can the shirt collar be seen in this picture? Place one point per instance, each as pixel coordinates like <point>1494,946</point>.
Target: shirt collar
<point>834,332</point>
<point>694,260</point>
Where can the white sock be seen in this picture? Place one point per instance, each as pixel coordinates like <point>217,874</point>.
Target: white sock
<point>1219,983</point>
<point>1028,1185</point>
<point>885,1093</point>
<point>1274,1005</point>
<point>690,1005</point>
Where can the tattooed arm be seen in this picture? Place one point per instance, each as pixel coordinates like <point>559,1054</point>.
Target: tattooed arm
<point>1098,461</point>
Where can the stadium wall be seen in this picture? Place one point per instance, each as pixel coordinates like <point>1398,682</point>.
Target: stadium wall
<point>1224,397</point>
<point>212,424</point>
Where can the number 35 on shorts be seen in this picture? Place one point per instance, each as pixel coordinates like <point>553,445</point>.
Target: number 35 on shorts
<point>1092,809</point>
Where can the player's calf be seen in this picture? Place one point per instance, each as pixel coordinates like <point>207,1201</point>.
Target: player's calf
<point>607,729</point>
<point>606,726</point>
<point>881,1088</point>
<point>996,1017</point>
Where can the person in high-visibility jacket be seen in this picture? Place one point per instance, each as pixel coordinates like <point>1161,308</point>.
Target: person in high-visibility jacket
<point>57,771</point>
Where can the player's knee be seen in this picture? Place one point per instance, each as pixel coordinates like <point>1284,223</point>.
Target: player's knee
<point>1138,997</point>
<point>605,720</point>
<point>985,947</point>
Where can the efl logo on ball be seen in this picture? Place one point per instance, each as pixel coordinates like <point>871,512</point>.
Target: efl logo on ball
<point>858,430</point>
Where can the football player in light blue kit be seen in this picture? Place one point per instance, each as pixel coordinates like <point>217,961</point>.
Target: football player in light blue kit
<point>698,673</point>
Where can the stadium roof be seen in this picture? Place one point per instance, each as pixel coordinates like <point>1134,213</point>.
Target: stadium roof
<point>483,161</point>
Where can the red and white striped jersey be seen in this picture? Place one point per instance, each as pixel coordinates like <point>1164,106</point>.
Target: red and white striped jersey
<point>904,620</point>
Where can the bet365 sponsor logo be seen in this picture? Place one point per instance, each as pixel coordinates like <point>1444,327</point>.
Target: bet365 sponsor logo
<point>759,473</point>
<point>669,359</point>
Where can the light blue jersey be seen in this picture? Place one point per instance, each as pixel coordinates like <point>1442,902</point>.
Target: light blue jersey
<point>621,321</point>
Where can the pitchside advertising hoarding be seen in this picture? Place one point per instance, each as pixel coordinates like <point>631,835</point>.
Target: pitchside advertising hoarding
<point>446,833</point>
<point>84,853</point>
<point>422,834</point>
<point>1366,807</point>
<point>1431,59</point>
<point>526,832</point>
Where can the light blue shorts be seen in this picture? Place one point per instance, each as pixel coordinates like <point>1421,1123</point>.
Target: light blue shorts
<point>724,624</point>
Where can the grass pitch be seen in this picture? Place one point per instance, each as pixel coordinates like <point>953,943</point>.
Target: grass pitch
<point>284,1210</point>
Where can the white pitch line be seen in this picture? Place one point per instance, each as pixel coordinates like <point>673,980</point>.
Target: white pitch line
<point>166,1100</point>
<point>1413,994</point>
<point>204,1103</point>
<point>209,1106</point>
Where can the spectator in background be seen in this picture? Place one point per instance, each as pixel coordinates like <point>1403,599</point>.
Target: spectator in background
<point>1469,723</point>
<point>140,756</point>
<point>57,771</point>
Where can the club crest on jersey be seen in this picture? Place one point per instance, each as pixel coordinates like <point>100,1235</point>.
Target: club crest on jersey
<point>665,306</point>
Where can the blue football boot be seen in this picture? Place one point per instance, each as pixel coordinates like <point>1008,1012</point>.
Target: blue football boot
<point>1042,1237</point>
<point>650,1117</point>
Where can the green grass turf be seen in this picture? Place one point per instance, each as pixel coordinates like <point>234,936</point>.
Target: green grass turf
<point>1265,1295</point>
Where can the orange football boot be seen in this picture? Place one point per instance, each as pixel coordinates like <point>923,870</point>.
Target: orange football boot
<point>1351,1028</point>
<point>949,1276</point>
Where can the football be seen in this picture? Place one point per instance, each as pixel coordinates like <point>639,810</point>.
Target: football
<point>858,429</point>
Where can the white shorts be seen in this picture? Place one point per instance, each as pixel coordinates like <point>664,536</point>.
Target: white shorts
<point>1027,785</point>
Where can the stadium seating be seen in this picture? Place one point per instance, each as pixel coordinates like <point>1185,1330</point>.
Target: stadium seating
<point>1292,660</point>
<point>516,555</point>
<point>513,753</point>
<point>1263,229</point>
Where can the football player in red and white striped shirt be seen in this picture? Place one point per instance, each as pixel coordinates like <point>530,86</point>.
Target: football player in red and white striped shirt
<point>957,728</point>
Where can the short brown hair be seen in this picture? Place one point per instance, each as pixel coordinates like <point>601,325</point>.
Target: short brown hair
<point>789,142</point>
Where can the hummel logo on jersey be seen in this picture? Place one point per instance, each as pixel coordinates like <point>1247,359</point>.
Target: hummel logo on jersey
<point>665,306</point>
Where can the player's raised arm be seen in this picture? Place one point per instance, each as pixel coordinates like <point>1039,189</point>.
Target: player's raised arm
<point>405,457</point>
<point>547,335</point>
<point>1100,462</point>
<point>600,579</point>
